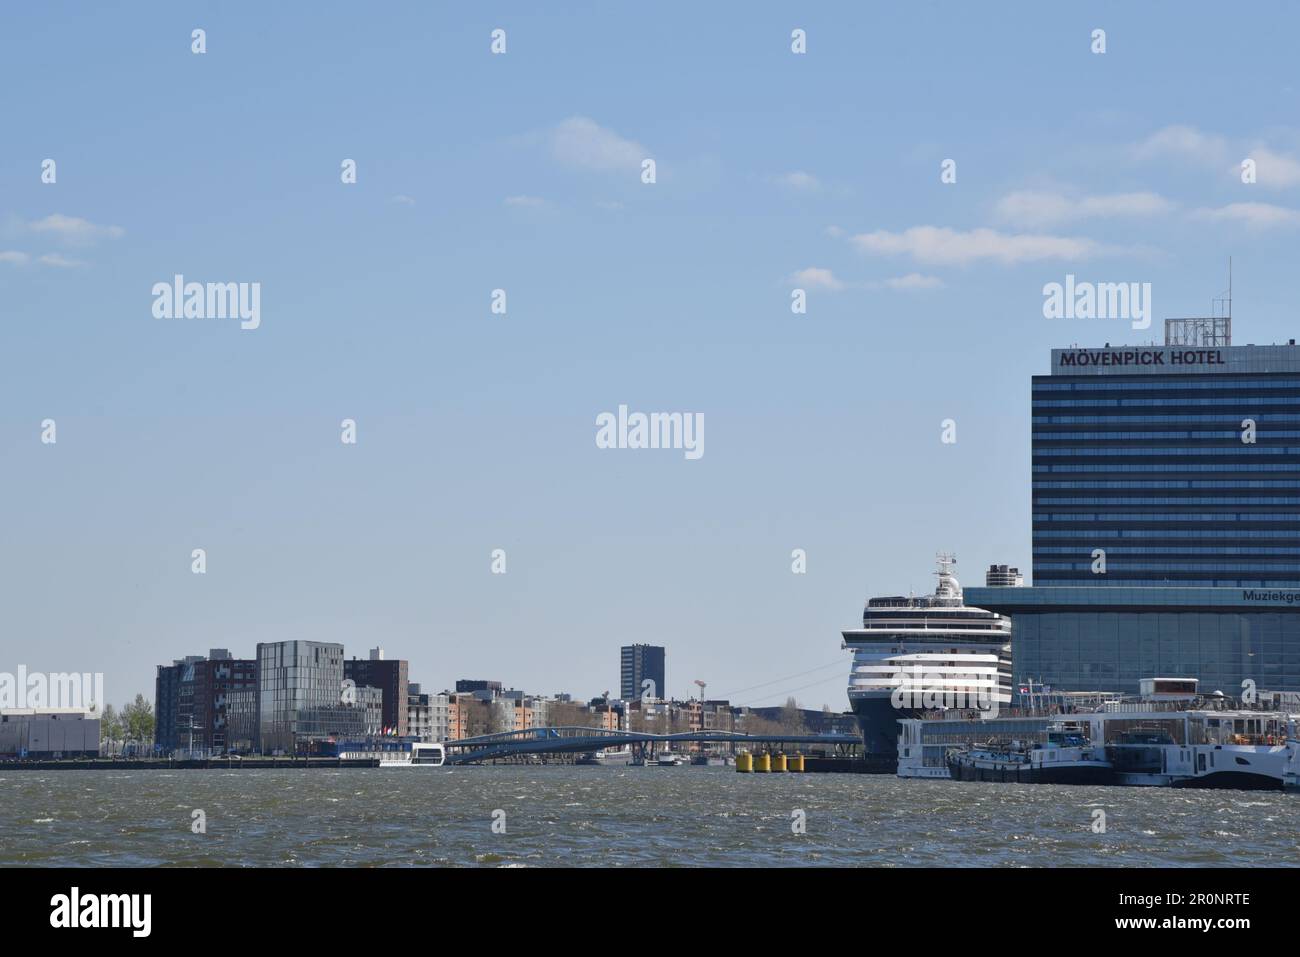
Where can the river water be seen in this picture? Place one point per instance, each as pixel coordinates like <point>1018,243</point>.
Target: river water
<point>597,816</point>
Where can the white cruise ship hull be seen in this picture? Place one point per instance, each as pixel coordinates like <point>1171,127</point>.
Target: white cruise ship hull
<point>914,655</point>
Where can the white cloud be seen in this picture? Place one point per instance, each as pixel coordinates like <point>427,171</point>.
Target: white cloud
<point>913,280</point>
<point>799,180</point>
<point>531,201</point>
<point>942,245</point>
<point>1273,169</point>
<point>74,230</point>
<point>1185,142</point>
<point>14,257</point>
<point>1254,215</point>
<point>55,259</point>
<point>1033,208</point>
<point>403,200</point>
<point>583,143</point>
<point>814,277</point>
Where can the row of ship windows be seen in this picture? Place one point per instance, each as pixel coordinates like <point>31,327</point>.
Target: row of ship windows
<point>888,613</point>
<point>895,627</point>
<point>1189,500</point>
<point>1170,383</point>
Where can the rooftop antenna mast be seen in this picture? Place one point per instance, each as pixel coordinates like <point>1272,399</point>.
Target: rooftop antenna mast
<point>1223,307</point>
<point>1214,330</point>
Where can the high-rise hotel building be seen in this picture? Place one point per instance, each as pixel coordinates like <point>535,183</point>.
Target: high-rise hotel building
<point>1166,517</point>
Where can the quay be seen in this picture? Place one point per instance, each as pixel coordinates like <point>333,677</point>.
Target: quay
<point>167,764</point>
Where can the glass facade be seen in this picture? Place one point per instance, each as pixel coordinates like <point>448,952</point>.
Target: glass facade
<point>1108,639</point>
<point>638,664</point>
<point>1181,466</point>
<point>1145,454</point>
<point>300,686</point>
<point>1115,650</point>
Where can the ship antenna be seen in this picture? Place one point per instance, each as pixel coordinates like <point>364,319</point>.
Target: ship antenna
<point>947,584</point>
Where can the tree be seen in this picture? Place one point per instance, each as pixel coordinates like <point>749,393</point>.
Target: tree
<point>497,719</point>
<point>110,728</point>
<point>755,724</point>
<point>138,721</point>
<point>478,717</point>
<point>637,720</point>
<point>792,718</point>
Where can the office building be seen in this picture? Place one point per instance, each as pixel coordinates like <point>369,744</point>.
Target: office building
<point>440,716</point>
<point>167,702</point>
<point>471,685</point>
<point>205,695</point>
<point>419,714</point>
<point>1180,464</point>
<point>637,665</point>
<point>241,721</point>
<point>300,696</point>
<point>390,677</point>
<point>191,697</point>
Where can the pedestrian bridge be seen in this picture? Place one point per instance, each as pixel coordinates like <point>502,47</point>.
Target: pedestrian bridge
<point>566,740</point>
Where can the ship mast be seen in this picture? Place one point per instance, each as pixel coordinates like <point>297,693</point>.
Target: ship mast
<point>948,586</point>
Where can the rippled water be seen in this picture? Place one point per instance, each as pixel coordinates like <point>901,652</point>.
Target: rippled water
<point>621,816</point>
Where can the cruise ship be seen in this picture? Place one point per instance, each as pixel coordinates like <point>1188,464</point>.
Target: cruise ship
<point>915,654</point>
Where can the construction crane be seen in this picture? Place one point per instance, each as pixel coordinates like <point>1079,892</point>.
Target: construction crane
<point>702,685</point>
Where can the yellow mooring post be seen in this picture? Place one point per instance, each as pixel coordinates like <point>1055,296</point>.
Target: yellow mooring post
<point>762,762</point>
<point>745,762</point>
<point>778,761</point>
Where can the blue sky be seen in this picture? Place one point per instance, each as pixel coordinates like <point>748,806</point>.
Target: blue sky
<point>521,172</point>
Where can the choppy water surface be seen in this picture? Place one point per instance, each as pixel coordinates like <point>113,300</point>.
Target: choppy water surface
<point>593,816</point>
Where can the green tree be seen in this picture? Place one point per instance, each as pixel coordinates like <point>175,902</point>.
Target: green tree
<point>110,728</point>
<point>138,722</point>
